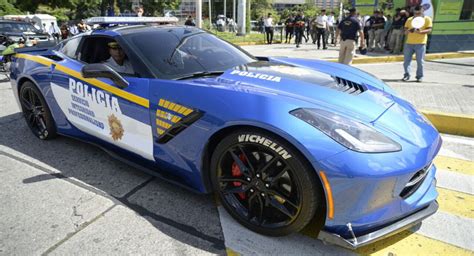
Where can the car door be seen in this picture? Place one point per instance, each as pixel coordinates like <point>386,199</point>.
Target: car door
<point>98,106</point>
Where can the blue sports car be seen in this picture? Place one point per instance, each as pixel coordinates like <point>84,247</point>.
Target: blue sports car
<point>281,141</point>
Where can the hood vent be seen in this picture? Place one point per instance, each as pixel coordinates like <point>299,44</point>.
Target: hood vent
<point>349,86</point>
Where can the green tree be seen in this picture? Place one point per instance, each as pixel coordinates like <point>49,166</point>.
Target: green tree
<point>7,8</point>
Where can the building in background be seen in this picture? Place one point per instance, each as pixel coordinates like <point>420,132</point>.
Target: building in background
<point>453,24</point>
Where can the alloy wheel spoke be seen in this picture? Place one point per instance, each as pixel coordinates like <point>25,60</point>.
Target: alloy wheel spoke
<point>241,164</point>
<point>26,103</point>
<point>250,214</point>
<point>252,169</point>
<point>235,190</point>
<point>280,207</point>
<point>233,179</point>
<point>278,176</point>
<point>31,95</point>
<point>275,193</point>
<point>263,170</point>
<point>41,123</point>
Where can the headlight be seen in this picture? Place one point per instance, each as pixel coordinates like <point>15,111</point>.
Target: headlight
<point>348,132</point>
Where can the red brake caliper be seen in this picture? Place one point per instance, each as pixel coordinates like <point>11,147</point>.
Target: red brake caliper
<point>236,172</point>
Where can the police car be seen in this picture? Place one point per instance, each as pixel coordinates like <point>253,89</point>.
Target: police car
<point>281,141</point>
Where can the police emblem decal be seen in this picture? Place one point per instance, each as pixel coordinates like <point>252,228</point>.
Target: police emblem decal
<point>116,128</point>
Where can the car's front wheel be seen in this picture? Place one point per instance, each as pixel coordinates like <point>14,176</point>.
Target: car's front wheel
<point>264,183</point>
<point>36,112</point>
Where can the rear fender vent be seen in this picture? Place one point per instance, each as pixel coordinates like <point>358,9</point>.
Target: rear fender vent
<point>348,86</point>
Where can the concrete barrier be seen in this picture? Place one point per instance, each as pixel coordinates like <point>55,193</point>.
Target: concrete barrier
<point>456,124</point>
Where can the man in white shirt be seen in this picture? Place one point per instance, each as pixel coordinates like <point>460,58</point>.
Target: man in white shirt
<point>268,23</point>
<point>54,31</point>
<point>331,29</point>
<point>321,24</point>
<point>118,60</point>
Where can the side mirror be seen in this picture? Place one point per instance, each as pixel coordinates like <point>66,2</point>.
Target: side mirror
<point>101,70</point>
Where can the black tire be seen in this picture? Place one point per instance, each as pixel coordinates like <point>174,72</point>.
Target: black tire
<point>36,112</point>
<point>285,195</point>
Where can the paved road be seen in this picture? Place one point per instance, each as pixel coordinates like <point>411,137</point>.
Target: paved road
<point>67,197</point>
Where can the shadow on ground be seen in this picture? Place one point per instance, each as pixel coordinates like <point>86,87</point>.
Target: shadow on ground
<point>187,217</point>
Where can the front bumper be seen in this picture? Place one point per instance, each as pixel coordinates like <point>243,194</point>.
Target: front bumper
<point>396,227</point>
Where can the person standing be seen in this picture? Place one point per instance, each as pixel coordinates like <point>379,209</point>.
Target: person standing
<point>386,31</point>
<point>289,28</point>
<point>54,31</point>
<point>321,24</point>
<point>299,28</point>
<point>331,29</point>
<point>190,21</point>
<point>416,44</point>
<point>348,29</point>
<point>396,39</point>
<point>268,23</point>
<point>376,31</point>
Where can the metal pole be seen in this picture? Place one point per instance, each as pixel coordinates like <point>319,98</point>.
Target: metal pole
<point>242,17</point>
<point>233,10</point>
<point>199,13</point>
<point>225,9</point>
<point>210,16</point>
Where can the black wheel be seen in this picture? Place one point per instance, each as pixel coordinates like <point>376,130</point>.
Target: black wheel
<point>36,112</point>
<point>263,182</point>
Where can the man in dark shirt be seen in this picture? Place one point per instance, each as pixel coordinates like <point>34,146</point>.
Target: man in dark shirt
<point>189,21</point>
<point>396,38</point>
<point>299,27</point>
<point>376,31</point>
<point>348,29</point>
<point>289,28</point>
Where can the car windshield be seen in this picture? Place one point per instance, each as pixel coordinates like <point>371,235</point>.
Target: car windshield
<point>177,53</point>
<point>17,27</point>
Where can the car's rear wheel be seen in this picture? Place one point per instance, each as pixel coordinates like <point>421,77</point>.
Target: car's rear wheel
<point>264,183</point>
<point>36,112</point>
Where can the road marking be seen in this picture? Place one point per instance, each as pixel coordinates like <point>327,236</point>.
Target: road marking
<point>454,164</point>
<point>457,203</point>
<point>449,228</point>
<point>455,181</point>
<point>409,243</point>
<point>231,252</point>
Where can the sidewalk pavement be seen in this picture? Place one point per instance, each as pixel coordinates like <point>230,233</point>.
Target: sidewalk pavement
<point>310,51</point>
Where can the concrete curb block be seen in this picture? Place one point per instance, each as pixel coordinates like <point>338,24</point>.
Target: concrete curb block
<point>399,58</point>
<point>456,124</point>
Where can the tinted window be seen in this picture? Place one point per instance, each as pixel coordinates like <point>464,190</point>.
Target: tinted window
<point>69,47</point>
<point>17,27</point>
<point>173,55</point>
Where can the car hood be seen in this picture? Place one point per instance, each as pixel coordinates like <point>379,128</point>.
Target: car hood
<point>336,91</point>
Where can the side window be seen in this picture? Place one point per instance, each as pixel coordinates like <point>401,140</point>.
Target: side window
<point>70,47</point>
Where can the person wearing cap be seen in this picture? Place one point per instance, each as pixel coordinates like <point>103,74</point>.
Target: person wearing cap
<point>348,29</point>
<point>396,38</point>
<point>376,31</point>
<point>118,60</point>
<point>416,44</point>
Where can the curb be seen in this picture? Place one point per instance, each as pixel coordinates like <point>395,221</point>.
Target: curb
<point>456,124</point>
<point>399,58</point>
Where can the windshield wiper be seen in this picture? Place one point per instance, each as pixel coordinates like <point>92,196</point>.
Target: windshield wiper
<point>200,74</point>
